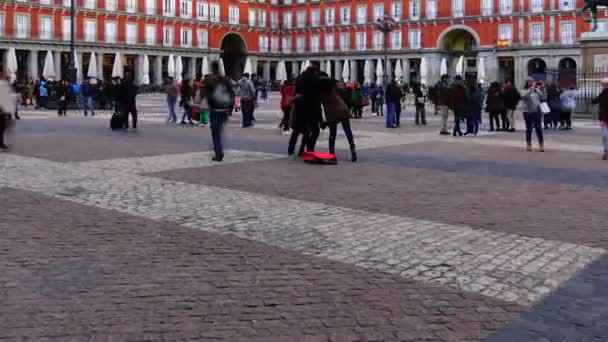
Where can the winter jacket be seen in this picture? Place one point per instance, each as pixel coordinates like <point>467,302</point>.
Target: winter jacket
<point>532,100</point>
<point>512,97</point>
<point>246,89</point>
<point>495,102</point>
<point>568,100</point>
<point>602,100</point>
<point>442,93</point>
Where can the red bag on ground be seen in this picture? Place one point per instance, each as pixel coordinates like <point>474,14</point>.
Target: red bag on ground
<point>323,158</point>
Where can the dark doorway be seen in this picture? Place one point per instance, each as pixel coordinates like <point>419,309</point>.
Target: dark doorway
<point>506,69</point>
<point>537,68</point>
<point>567,73</point>
<point>234,54</point>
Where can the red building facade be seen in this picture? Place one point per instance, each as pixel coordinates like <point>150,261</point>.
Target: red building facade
<point>514,38</point>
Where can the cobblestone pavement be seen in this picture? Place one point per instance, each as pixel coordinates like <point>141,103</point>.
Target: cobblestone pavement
<point>138,236</point>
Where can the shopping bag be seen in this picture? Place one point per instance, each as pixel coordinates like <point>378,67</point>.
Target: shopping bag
<point>544,108</point>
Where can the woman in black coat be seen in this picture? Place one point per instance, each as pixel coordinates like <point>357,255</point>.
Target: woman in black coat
<point>495,105</point>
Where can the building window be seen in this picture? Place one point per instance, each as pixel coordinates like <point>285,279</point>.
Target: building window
<point>46,2</point>
<point>215,13</point>
<point>131,33</point>
<point>22,25</point>
<point>431,9</point>
<point>458,8</point>
<point>131,6</point>
<point>263,44</point>
<point>505,32</point>
<point>345,41</point>
<point>396,11</point>
<point>361,14</point>
<point>110,5</point>
<point>360,41</point>
<point>46,27</point>
<point>202,10</point>
<point>274,20</point>
<point>66,28</point>
<point>487,7</point>
<point>396,40</point>
<point>329,42</point>
<point>274,44</point>
<point>185,10</point>
<point>186,38</point>
<point>314,43</point>
<point>315,18</point>
<point>150,34</point>
<point>88,4</point>
<point>90,31</point>
<point>414,39</point>
<point>536,6</point>
<point>168,8</point>
<point>286,2</point>
<point>286,45</point>
<point>345,15</point>
<point>262,18</point>
<point>203,39</point>
<point>506,7</point>
<point>301,19</point>
<point>251,16</point>
<point>414,9</point>
<point>378,11</point>
<point>566,32</point>
<point>330,16</point>
<point>537,31</point>
<point>301,1</point>
<point>168,36</point>
<point>378,40</point>
<point>300,44</point>
<point>287,20</point>
<point>566,5</point>
<point>151,7</point>
<point>110,32</point>
<point>233,15</point>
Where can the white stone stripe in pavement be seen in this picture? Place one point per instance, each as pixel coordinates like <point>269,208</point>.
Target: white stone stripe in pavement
<point>505,266</point>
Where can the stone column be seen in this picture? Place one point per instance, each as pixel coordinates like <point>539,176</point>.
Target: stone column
<point>79,72</point>
<point>353,70</point>
<point>337,69</point>
<point>520,71</point>
<point>139,61</point>
<point>552,27</point>
<point>266,70</point>
<point>405,63</point>
<point>100,65</point>
<point>32,70</point>
<point>389,69</point>
<point>192,69</point>
<point>158,70</point>
<point>57,61</point>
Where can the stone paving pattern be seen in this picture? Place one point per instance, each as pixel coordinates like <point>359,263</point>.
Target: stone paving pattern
<point>138,236</point>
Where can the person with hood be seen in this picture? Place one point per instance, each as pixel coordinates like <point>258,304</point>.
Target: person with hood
<point>247,93</point>
<point>126,93</point>
<point>458,97</point>
<point>602,100</point>
<point>495,104</point>
<point>532,99</point>
<point>511,98</point>
<point>568,103</point>
<point>442,102</point>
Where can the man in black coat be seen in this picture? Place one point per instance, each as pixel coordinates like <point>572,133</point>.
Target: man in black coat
<point>127,92</point>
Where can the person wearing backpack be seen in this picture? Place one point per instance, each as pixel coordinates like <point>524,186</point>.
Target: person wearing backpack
<point>568,103</point>
<point>220,99</point>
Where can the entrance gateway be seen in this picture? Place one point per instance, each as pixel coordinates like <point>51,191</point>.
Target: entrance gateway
<point>234,55</point>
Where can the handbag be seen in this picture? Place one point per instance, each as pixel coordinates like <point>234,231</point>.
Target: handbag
<point>544,108</point>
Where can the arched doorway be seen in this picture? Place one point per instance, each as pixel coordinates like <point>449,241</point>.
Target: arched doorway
<point>537,69</point>
<point>234,54</point>
<point>567,72</point>
<point>456,41</point>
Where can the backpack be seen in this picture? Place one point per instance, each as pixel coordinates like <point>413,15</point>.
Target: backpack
<point>221,96</point>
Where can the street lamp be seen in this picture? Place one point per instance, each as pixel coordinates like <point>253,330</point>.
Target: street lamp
<point>385,25</point>
<point>72,65</point>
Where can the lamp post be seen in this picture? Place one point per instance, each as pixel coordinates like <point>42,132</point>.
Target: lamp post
<point>72,65</point>
<point>385,25</point>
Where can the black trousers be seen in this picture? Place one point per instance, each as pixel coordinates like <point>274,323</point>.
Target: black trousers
<point>62,107</point>
<point>457,118</point>
<point>333,132</point>
<point>494,119</point>
<point>420,114</point>
<point>310,133</point>
<point>217,120</point>
<point>533,122</point>
<point>247,108</point>
<point>133,111</point>
<point>3,127</point>
<point>285,119</point>
<point>398,113</point>
<point>503,119</point>
<point>566,118</point>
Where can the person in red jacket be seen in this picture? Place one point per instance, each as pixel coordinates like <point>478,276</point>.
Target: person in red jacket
<point>602,100</point>
<point>287,91</point>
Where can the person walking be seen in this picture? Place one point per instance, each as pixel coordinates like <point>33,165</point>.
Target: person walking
<point>187,93</point>
<point>532,99</point>
<point>511,98</point>
<point>554,102</point>
<point>172,91</point>
<point>602,100</point>
<point>287,92</point>
<point>62,93</point>
<point>495,104</point>
<point>220,99</point>
<point>568,104</point>
<point>458,96</point>
<point>442,102</point>
<point>247,93</point>
<point>127,92</point>
<point>419,103</point>
<point>89,91</point>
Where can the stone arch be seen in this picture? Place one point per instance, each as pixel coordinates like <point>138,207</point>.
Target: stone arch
<point>537,68</point>
<point>456,28</point>
<point>234,54</point>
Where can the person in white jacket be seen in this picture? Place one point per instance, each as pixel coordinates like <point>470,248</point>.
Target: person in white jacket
<point>568,102</point>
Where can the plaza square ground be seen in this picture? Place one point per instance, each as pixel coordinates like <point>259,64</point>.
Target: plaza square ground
<point>139,236</point>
